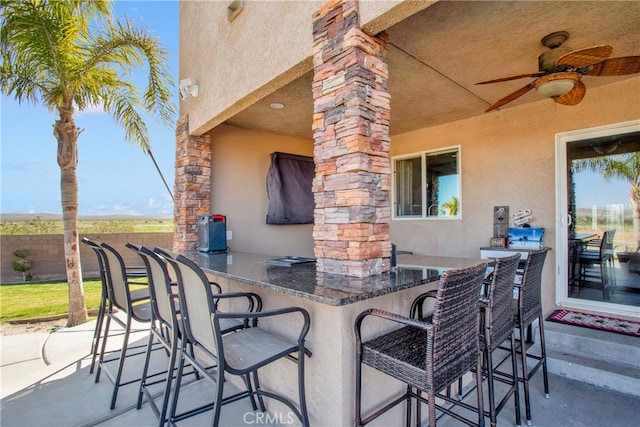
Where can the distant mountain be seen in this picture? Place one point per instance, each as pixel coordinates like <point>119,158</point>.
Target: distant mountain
<point>45,216</point>
<point>48,216</point>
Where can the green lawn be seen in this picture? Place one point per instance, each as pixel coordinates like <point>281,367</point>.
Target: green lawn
<point>26,301</point>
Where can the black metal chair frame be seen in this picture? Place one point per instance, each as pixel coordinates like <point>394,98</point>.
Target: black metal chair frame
<point>202,326</point>
<point>136,295</point>
<point>119,301</point>
<point>436,357</point>
<point>97,333</point>
<point>164,328</point>
<point>169,329</point>
<point>527,310</point>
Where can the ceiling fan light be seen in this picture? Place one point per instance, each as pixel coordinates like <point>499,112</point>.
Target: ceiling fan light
<point>555,88</point>
<point>606,149</point>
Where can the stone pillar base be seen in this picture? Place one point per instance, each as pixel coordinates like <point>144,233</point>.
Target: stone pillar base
<point>192,188</point>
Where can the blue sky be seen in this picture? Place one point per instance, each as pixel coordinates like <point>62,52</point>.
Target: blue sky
<point>592,189</point>
<point>114,175</point>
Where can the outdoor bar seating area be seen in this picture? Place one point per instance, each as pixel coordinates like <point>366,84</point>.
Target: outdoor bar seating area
<point>430,339</point>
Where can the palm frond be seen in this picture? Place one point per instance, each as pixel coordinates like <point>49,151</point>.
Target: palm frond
<point>40,42</point>
<point>122,106</point>
<point>65,52</point>
<point>621,166</point>
<point>123,48</point>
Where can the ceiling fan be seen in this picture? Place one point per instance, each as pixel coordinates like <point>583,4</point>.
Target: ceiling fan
<point>561,69</point>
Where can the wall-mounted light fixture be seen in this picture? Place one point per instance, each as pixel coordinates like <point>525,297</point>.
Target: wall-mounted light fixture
<point>234,9</point>
<point>187,88</point>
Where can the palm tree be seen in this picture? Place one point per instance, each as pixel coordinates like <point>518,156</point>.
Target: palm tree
<point>68,56</point>
<point>451,207</point>
<point>621,166</point>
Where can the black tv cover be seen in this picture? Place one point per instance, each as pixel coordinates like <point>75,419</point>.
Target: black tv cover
<point>289,189</point>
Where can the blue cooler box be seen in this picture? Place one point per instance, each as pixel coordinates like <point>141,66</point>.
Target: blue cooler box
<point>526,238</point>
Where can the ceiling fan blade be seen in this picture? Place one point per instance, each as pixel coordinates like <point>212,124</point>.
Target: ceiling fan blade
<point>586,56</point>
<point>512,77</point>
<point>512,96</point>
<point>574,96</point>
<point>619,66</point>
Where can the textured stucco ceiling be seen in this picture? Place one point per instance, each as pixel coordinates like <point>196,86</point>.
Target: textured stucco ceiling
<point>437,55</point>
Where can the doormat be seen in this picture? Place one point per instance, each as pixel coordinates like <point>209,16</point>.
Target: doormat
<point>610,324</point>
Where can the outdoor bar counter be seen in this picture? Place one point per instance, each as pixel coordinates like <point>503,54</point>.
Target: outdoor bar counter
<point>333,302</point>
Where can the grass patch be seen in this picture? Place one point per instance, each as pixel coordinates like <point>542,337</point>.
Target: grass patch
<point>26,301</point>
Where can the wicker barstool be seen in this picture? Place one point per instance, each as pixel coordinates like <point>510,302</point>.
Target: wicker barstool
<point>428,356</point>
<point>499,322</point>
<point>528,310</point>
<point>497,326</point>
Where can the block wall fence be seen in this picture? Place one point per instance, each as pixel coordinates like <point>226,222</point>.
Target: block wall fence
<point>45,252</point>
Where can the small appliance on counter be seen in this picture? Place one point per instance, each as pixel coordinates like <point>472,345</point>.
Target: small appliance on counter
<point>212,233</point>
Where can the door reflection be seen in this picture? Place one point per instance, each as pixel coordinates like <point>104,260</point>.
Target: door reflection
<point>604,206</point>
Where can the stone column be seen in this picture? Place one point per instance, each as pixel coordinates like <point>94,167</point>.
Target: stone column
<point>192,190</point>
<point>351,151</point>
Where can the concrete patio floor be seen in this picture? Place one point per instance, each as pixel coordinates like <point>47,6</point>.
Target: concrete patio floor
<point>45,381</point>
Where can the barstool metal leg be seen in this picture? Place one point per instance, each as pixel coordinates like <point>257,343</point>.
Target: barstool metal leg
<point>97,333</point>
<point>543,354</point>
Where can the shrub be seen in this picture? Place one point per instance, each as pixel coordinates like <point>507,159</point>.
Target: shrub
<point>22,264</point>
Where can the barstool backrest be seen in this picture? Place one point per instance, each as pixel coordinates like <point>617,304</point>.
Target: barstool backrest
<point>530,292</point>
<point>499,316</point>
<point>159,285</point>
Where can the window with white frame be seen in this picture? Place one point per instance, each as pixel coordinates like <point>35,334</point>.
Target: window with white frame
<point>427,184</point>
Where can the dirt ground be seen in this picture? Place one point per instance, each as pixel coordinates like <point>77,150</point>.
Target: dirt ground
<point>27,328</point>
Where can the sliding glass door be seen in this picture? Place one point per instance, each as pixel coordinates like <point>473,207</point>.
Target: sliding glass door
<point>598,206</point>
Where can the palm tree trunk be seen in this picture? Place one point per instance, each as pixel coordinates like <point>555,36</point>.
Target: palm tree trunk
<point>66,134</point>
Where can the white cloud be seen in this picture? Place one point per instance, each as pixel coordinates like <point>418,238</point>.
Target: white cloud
<point>19,165</point>
<point>162,207</point>
<point>91,109</point>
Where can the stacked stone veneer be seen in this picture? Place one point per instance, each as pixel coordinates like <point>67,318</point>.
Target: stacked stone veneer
<point>192,185</point>
<point>351,151</point>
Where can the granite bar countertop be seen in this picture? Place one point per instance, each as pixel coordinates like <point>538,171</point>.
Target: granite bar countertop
<point>304,281</point>
<point>506,249</point>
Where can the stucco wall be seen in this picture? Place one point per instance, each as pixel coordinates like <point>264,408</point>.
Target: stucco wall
<point>507,158</point>
<point>239,66</point>
<point>240,162</point>
<point>239,73</point>
<point>45,252</point>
